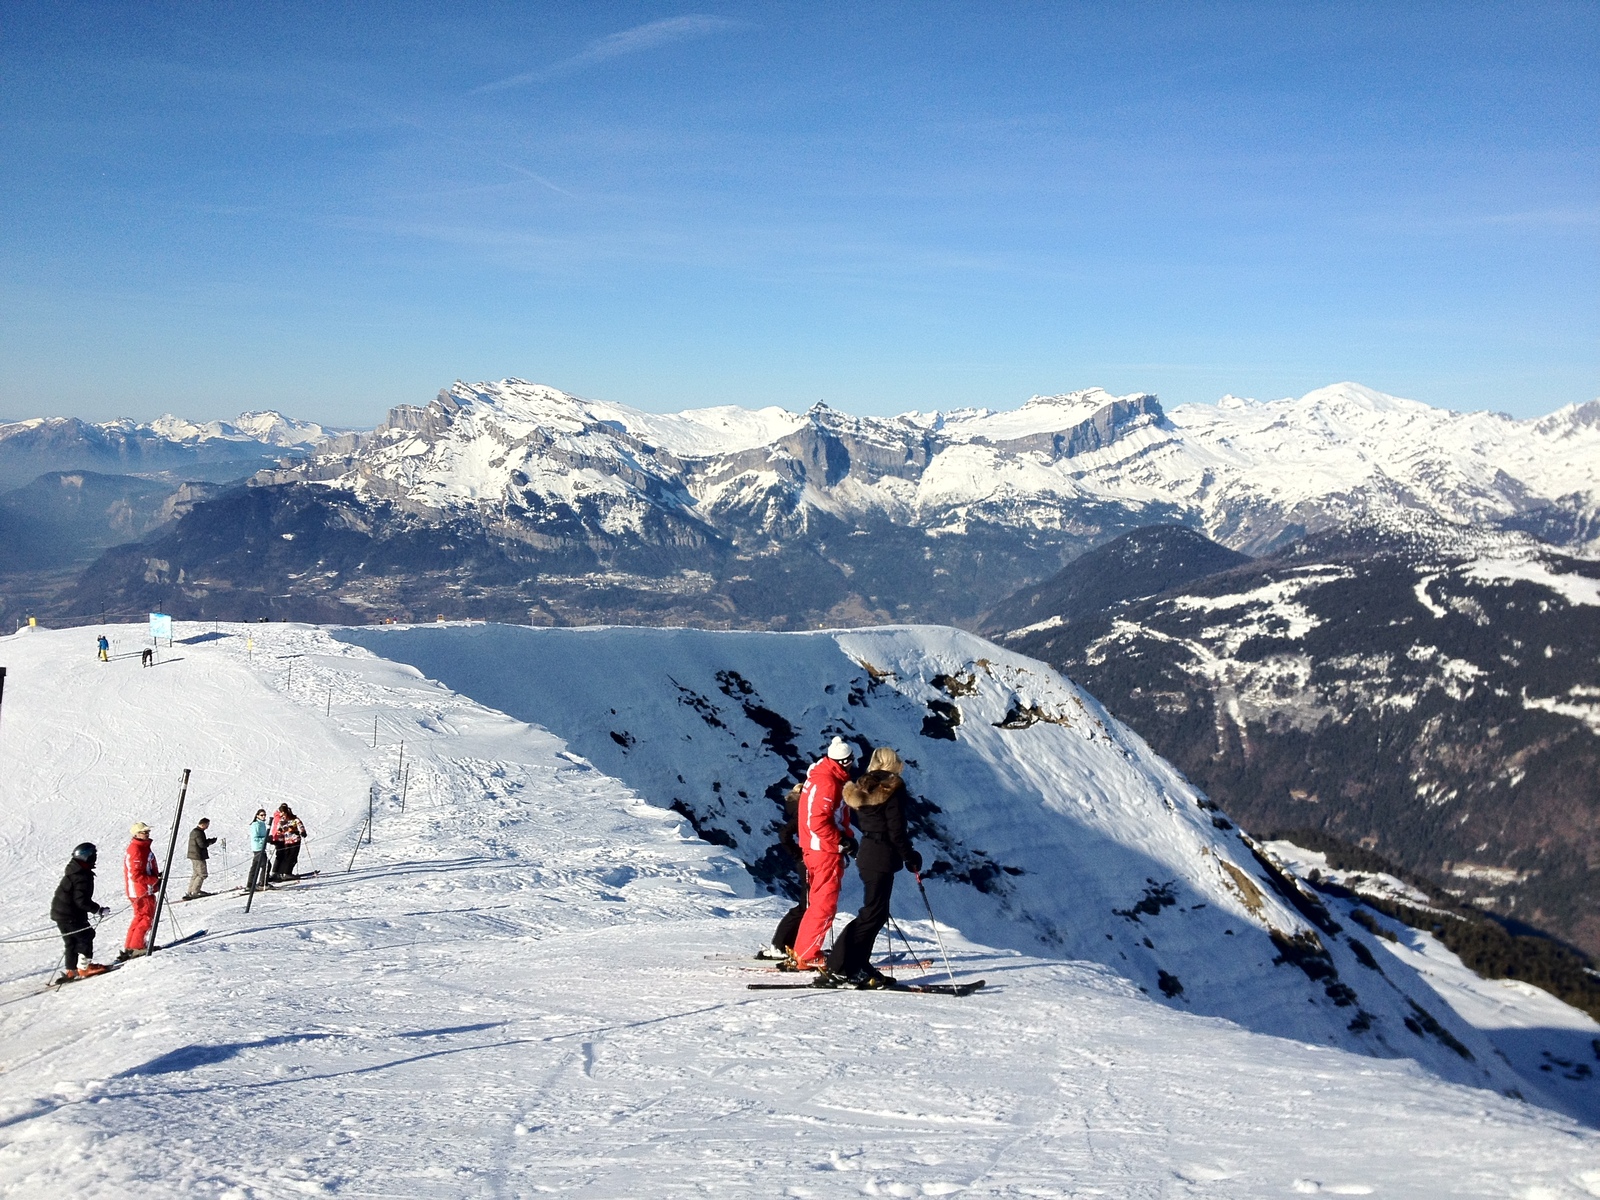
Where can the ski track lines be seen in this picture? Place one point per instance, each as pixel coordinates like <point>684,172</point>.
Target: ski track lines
<point>509,996</point>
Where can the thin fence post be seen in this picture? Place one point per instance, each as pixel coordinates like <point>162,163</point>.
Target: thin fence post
<point>172,846</point>
<point>374,731</point>
<point>366,833</point>
<point>405,784</point>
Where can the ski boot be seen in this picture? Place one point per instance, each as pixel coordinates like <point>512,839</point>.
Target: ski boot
<point>870,979</point>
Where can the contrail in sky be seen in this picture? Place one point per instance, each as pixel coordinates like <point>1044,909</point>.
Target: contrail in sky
<point>630,41</point>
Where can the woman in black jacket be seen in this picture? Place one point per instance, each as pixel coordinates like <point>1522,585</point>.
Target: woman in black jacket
<point>877,808</point>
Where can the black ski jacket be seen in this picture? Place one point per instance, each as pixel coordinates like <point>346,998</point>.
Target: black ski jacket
<point>73,904</point>
<point>198,843</point>
<point>789,831</point>
<point>877,806</point>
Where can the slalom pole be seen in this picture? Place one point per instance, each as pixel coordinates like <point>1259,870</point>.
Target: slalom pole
<point>937,935</point>
<point>172,846</point>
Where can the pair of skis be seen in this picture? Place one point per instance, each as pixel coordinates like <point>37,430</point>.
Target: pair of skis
<point>62,981</point>
<point>935,989</point>
<point>239,891</point>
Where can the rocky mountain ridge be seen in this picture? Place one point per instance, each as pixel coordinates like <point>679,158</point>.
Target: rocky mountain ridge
<point>1252,475</point>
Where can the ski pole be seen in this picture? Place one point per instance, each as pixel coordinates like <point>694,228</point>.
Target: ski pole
<point>910,949</point>
<point>937,935</point>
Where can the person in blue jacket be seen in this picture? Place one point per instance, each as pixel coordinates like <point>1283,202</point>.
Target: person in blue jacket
<point>258,843</point>
<point>104,647</point>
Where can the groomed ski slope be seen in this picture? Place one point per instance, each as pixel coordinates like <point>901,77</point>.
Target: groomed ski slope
<point>511,995</point>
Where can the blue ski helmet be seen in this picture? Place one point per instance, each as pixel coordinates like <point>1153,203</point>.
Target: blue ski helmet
<point>85,852</point>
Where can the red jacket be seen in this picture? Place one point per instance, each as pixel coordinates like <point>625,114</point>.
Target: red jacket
<point>822,816</point>
<point>140,875</point>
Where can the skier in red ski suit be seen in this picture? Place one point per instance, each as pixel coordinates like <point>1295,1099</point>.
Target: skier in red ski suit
<point>142,878</point>
<point>824,831</point>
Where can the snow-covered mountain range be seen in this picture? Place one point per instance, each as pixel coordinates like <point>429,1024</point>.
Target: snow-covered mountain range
<point>168,447</point>
<point>1250,474</point>
<point>544,950</point>
<point>517,501</point>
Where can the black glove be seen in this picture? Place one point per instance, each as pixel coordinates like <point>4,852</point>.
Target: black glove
<point>849,845</point>
<point>914,863</point>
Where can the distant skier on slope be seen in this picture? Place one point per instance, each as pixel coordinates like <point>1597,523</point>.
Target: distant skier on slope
<point>199,859</point>
<point>104,648</point>
<point>789,838</point>
<point>72,906</point>
<point>825,841</point>
<point>878,801</point>
<point>258,847</point>
<point>142,880</point>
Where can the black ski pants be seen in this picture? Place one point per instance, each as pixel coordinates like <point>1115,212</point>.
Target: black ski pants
<point>853,951</point>
<point>78,942</point>
<point>286,859</point>
<point>789,928</point>
<point>258,871</point>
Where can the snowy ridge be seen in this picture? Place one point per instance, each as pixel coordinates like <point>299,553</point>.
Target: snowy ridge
<point>267,427</point>
<point>1251,474</point>
<point>511,992</point>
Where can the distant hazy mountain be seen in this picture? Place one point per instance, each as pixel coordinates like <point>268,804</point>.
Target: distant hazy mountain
<point>522,502</point>
<point>66,517</point>
<point>168,447</point>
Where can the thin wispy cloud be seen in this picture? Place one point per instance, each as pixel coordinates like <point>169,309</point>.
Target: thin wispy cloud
<point>618,45</point>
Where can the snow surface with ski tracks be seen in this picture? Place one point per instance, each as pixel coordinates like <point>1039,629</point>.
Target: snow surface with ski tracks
<point>531,982</point>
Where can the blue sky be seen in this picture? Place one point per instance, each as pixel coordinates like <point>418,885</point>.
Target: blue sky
<point>329,209</point>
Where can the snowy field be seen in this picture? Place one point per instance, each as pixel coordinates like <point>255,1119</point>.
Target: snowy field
<point>532,982</point>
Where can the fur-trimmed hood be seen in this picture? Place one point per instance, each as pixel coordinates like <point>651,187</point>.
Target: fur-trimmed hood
<point>872,789</point>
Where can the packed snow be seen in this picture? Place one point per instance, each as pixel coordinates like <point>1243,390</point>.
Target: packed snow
<point>532,979</point>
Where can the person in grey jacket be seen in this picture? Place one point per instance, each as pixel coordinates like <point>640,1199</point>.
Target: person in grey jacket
<point>199,854</point>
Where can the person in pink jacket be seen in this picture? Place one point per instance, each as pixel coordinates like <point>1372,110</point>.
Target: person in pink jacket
<point>825,839</point>
<point>142,879</point>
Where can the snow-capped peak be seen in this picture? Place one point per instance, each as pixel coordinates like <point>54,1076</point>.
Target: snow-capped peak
<point>267,427</point>
<point>1248,472</point>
